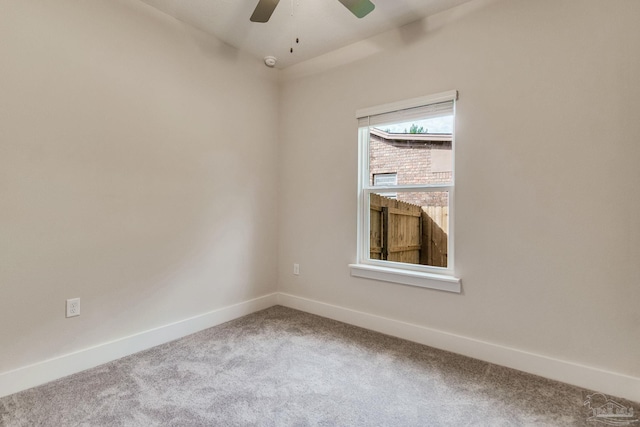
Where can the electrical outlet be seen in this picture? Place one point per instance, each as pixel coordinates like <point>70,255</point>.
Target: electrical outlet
<point>73,307</point>
<point>296,269</point>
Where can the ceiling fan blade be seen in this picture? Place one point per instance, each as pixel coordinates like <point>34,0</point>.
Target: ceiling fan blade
<point>263,11</point>
<point>360,8</point>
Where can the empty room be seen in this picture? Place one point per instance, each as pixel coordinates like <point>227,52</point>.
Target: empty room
<point>305,212</point>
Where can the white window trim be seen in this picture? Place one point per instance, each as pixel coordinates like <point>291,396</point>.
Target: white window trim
<point>407,277</point>
<point>403,273</point>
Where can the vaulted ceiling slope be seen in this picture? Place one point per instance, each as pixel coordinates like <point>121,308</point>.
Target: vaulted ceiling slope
<point>320,26</point>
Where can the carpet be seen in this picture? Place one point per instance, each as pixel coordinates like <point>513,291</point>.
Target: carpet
<point>283,367</point>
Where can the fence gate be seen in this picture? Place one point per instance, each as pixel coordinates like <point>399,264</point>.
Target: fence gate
<point>395,230</point>
<point>404,232</point>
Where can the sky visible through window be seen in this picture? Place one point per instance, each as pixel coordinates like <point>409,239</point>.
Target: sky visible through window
<point>432,125</point>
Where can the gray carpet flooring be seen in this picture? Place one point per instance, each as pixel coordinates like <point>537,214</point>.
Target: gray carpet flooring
<point>282,367</point>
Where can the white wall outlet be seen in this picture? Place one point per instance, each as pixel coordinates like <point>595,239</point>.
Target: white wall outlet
<point>73,307</point>
<point>296,269</point>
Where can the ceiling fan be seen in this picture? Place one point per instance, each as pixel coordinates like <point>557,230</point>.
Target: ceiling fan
<point>265,8</point>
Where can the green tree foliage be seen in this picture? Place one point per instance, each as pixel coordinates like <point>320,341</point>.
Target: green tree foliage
<point>415,129</point>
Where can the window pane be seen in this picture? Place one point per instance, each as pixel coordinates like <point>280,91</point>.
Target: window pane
<point>412,151</point>
<point>413,228</point>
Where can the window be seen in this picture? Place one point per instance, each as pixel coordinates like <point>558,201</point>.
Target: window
<point>384,179</point>
<point>405,190</point>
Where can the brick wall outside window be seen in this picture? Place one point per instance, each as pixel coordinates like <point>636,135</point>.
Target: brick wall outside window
<point>413,164</point>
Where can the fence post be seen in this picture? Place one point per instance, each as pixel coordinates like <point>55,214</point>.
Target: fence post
<point>385,232</point>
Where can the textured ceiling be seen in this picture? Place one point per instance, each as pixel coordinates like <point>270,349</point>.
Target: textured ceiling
<point>320,25</point>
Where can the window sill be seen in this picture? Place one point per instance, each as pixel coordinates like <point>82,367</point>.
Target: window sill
<point>407,277</point>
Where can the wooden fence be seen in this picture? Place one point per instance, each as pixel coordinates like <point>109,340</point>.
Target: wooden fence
<point>395,230</point>
<point>404,232</point>
<point>435,220</point>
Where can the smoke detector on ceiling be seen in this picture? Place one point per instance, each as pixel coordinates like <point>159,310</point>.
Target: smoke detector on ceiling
<point>270,61</point>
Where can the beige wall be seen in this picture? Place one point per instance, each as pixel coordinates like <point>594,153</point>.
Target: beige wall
<point>140,168</point>
<point>137,172</point>
<point>547,245</point>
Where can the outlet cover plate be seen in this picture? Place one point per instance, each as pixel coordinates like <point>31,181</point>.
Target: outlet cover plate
<point>73,307</point>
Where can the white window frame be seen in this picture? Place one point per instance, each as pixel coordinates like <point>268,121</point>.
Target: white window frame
<point>404,273</point>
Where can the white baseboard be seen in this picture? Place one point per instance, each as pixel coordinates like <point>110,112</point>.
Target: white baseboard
<point>58,367</point>
<point>610,383</point>
<point>587,377</point>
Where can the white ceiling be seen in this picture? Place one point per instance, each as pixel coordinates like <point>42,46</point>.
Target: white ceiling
<point>320,25</point>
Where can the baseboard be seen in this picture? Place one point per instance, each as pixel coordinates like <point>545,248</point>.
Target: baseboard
<point>590,378</point>
<point>595,379</point>
<point>39,373</point>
